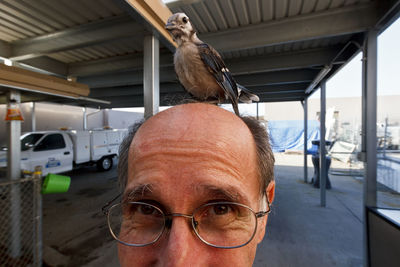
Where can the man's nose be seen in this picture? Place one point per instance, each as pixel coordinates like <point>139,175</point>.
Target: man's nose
<point>181,245</point>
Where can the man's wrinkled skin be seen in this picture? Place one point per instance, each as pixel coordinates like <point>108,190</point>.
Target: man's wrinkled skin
<point>183,154</point>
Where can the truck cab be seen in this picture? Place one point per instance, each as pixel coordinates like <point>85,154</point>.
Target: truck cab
<point>51,150</point>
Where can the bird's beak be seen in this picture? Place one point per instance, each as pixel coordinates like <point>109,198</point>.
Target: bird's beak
<point>170,26</point>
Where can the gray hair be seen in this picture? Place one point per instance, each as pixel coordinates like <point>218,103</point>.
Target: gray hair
<point>265,156</point>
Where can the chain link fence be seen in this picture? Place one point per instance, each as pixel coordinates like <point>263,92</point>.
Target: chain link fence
<point>20,222</point>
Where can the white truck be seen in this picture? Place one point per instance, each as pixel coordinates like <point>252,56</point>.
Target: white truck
<point>61,151</point>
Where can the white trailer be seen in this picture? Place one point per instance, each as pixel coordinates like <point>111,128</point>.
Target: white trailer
<point>60,151</point>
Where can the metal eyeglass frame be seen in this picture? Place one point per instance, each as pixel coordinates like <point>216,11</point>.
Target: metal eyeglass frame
<point>168,219</point>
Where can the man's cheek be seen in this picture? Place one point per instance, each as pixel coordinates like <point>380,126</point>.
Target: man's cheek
<point>127,256</point>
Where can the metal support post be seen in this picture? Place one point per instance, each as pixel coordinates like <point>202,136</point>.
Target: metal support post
<point>151,75</point>
<point>106,121</point>
<point>369,140</point>
<point>33,116</point>
<point>38,255</point>
<point>305,107</point>
<point>322,152</point>
<point>14,173</point>
<point>84,117</point>
<point>369,99</point>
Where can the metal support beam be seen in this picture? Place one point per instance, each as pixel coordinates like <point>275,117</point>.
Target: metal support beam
<point>14,173</point>
<point>314,57</point>
<point>5,49</point>
<point>282,99</point>
<point>126,78</point>
<point>322,149</point>
<point>278,77</point>
<point>97,32</point>
<point>369,140</point>
<point>279,88</point>
<point>114,64</point>
<point>47,64</point>
<point>151,75</point>
<point>305,107</point>
<point>321,75</point>
<point>267,92</point>
<point>135,90</point>
<point>33,117</point>
<point>167,74</point>
<point>294,93</point>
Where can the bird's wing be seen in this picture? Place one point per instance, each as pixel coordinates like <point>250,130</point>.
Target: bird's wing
<point>216,66</point>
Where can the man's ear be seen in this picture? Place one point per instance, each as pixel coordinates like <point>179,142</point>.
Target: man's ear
<point>270,193</point>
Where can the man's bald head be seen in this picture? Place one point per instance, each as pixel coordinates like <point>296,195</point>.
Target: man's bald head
<point>192,121</point>
<point>205,127</point>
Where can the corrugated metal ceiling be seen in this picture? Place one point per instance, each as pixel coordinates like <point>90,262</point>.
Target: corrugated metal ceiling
<point>32,18</point>
<point>213,16</point>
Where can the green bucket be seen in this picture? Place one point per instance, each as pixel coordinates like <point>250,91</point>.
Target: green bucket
<point>54,183</point>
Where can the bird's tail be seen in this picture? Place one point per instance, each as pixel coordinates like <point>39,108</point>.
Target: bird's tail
<point>245,95</point>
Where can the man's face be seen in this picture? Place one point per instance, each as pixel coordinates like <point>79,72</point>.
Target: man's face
<point>184,158</point>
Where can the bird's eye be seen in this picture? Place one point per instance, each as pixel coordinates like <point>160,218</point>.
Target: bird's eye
<point>185,19</point>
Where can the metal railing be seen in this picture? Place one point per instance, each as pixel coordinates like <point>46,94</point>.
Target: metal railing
<point>389,172</point>
<point>21,221</point>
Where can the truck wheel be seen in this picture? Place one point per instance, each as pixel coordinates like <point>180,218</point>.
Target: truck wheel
<point>105,164</point>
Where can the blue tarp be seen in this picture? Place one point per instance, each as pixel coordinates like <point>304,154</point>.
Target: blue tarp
<point>289,135</point>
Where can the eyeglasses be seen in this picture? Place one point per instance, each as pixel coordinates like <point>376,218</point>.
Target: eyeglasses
<point>219,224</point>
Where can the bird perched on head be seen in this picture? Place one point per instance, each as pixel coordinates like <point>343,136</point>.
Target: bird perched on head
<point>200,68</point>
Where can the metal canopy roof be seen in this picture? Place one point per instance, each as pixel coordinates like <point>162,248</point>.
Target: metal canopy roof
<point>280,49</point>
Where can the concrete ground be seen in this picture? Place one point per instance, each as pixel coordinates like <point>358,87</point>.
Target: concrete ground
<point>75,232</point>
<point>302,233</point>
<point>299,233</point>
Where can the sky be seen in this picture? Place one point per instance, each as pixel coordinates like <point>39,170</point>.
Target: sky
<point>347,82</point>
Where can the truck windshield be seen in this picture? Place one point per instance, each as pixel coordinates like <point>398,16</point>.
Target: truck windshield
<point>29,140</point>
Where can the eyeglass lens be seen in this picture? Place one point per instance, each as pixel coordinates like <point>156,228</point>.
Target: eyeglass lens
<point>225,224</point>
<point>136,223</point>
<point>221,224</point>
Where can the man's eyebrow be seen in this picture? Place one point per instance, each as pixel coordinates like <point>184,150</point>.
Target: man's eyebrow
<point>224,193</point>
<point>136,192</point>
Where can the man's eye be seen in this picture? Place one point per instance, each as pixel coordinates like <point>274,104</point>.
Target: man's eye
<point>185,19</point>
<point>222,209</point>
<point>147,210</point>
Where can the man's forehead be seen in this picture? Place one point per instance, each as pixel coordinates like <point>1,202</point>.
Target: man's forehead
<point>200,139</point>
<point>193,122</point>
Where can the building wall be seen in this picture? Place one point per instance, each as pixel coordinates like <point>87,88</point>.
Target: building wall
<point>349,109</point>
